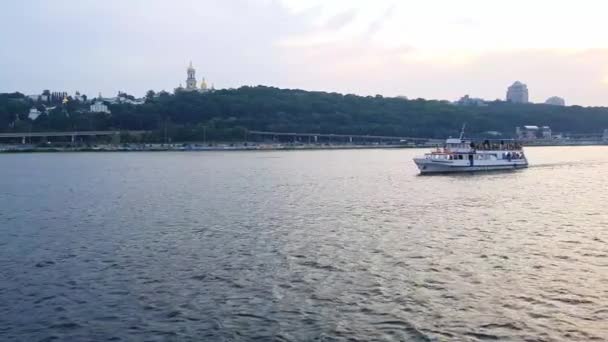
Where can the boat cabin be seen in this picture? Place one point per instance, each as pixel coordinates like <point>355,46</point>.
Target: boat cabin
<point>459,149</point>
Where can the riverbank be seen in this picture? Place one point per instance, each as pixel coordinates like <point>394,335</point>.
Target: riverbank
<point>184,147</point>
<point>193,147</point>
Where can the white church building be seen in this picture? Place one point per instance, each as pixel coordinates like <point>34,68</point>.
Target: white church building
<point>99,106</point>
<point>191,84</point>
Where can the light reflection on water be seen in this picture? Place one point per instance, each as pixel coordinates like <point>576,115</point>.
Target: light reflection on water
<point>327,245</point>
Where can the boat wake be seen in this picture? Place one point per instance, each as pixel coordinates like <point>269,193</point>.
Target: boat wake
<point>568,164</point>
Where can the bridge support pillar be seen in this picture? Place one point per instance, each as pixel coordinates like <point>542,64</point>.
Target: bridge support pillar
<point>350,140</point>
<point>73,138</point>
<point>116,139</point>
<point>23,140</point>
<point>316,139</point>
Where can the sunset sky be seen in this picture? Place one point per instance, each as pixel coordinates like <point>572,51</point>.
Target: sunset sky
<point>436,49</point>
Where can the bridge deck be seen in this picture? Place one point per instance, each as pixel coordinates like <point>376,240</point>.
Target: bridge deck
<point>346,136</point>
<point>64,134</point>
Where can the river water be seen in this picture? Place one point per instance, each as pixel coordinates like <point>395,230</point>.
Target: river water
<point>301,246</point>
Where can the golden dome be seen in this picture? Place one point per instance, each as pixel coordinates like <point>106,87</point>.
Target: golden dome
<point>203,85</point>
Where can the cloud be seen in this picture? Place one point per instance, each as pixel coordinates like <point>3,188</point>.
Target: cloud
<point>101,46</point>
<point>340,20</point>
<point>377,24</point>
<point>355,68</point>
<point>432,49</point>
<point>410,48</point>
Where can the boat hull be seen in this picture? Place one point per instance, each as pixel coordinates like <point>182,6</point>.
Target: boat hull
<point>427,166</point>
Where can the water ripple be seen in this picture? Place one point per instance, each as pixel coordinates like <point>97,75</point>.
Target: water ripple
<point>301,246</point>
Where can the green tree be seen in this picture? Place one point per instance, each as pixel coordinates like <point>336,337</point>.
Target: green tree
<point>227,114</point>
<point>150,95</point>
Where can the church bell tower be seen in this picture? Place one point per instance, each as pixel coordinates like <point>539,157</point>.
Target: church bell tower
<point>191,80</point>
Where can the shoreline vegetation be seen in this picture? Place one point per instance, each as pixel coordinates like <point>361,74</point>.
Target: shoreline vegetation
<point>226,147</point>
<point>229,114</point>
<point>196,148</point>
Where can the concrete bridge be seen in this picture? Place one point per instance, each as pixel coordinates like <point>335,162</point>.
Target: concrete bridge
<point>295,137</point>
<point>315,137</point>
<point>72,135</point>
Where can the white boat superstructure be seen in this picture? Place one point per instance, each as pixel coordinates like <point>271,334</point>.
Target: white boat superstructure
<point>460,155</point>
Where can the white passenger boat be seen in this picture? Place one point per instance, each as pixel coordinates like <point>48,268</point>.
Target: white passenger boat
<point>461,155</point>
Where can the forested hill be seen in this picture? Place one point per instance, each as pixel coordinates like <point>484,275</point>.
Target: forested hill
<point>225,113</point>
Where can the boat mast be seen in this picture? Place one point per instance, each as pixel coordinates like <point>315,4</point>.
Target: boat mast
<point>464,125</point>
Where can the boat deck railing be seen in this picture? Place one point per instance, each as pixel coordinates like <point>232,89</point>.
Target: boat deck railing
<point>497,147</point>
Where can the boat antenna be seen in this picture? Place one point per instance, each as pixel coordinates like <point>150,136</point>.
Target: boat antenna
<point>462,130</point>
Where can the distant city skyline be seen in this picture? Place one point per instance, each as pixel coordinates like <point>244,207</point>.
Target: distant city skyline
<point>436,50</point>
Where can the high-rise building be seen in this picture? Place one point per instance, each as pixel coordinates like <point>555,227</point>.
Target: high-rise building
<point>556,101</point>
<point>517,93</point>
